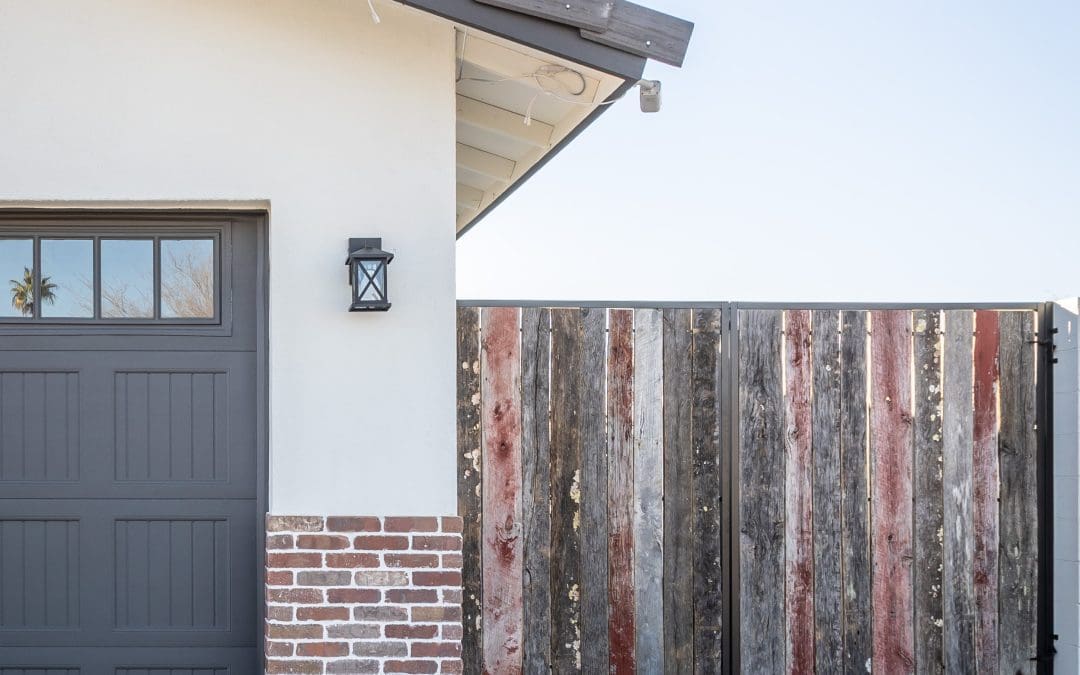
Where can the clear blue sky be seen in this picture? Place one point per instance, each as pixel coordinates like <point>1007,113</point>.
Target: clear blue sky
<point>817,151</point>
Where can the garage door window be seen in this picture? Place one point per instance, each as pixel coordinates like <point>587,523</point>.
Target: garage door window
<point>110,279</point>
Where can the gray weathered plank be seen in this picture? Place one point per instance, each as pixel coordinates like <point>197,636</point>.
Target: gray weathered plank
<point>761,501</point>
<point>649,488</point>
<point>678,495</point>
<point>470,505</point>
<point>1019,561</point>
<point>984,489</point>
<point>536,480</point>
<point>567,364</point>
<point>594,500</point>
<point>828,578</point>
<point>645,32</point>
<point>854,494</point>
<point>957,572</point>
<point>705,439</point>
<point>592,14</point>
<point>620,492</point>
<point>929,504</point>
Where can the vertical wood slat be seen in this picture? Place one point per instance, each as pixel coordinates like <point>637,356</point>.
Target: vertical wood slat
<point>705,439</point>
<point>649,489</point>
<point>620,492</point>
<point>678,494</point>
<point>594,500</point>
<point>891,487</point>
<point>1019,525</point>
<point>536,481</point>
<point>985,480</point>
<point>798,493</point>
<point>501,551</point>
<point>825,448</point>
<point>854,494</point>
<point>470,505</point>
<point>929,503</point>
<point>567,361</point>
<point>957,582</point>
<point>761,503</point>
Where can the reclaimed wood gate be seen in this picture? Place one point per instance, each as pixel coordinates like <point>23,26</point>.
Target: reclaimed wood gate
<point>753,489</point>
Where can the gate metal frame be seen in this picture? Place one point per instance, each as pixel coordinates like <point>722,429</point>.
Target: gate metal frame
<point>729,438</point>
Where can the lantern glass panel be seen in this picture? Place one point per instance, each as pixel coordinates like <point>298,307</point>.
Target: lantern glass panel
<point>372,280</point>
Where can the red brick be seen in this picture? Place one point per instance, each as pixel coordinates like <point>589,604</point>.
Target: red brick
<point>437,543</point>
<point>325,542</point>
<point>411,560</point>
<point>380,613</point>
<point>411,666</point>
<point>439,613</point>
<point>279,578</point>
<point>353,666</point>
<point>355,631</point>
<point>381,648</point>
<point>436,649</point>
<point>294,560</point>
<point>279,648</point>
<point>322,649</point>
<point>279,541</point>
<point>352,560</point>
<point>305,667</point>
<point>410,631</point>
<point>322,614</point>
<point>452,578</point>
<point>451,596</point>
<point>411,525</point>
<point>453,524</point>
<point>452,631</point>
<point>454,666</point>
<point>412,595</point>
<point>381,543</point>
<point>300,596</point>
<point>451,561</point>
<point>349,524</point>
<point>279,613</point>
<point>293,631</point>
<point>294,524</point>
<point>353,595</point>
<point>381,578</point>
<point>328,578</point>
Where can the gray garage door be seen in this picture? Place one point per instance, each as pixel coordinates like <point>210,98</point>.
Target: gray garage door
<point>129,461</point>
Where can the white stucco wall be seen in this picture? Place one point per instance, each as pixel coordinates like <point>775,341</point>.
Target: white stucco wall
<point>1066,494</point>
<point>343,128</point>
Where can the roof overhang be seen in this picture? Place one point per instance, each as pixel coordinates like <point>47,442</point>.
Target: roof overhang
<point>533,74</point>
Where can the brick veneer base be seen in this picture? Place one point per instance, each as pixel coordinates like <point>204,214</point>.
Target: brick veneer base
<point>363,595</point>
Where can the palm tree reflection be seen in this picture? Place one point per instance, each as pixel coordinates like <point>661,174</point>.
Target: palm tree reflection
<point>22,292</point>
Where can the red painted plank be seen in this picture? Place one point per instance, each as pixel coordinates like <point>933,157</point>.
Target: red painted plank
<point>891,448</point>
<point>502,546</point>
<point>799,535</point>
<point>985,480</point>
<point>620,507</point>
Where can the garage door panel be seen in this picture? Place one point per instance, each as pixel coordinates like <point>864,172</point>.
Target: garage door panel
<point>129,661</point>
<point>39,425</point>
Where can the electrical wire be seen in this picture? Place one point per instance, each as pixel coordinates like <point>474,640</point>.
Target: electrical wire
<point>374,14</point>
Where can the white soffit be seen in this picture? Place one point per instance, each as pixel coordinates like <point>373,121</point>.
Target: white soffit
<point>514,105</point>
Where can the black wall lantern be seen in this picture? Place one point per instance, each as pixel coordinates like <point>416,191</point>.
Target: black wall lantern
<point>367,264</point>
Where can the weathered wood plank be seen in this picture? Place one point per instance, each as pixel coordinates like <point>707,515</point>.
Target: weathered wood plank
<point>929,504</point>
<point>854,494</point>
<point>592,14</point>
<point>798,494</point>
<point>825,448</point>
<point>620,504</point>
<point>761,500</point>
<point>957,582</point>
<point>470,502</point>
<point>1019,518</point>
<point>705,439</point>
<point>891,487</point>
<point>678,495</point>
<point>649,489</point>
<point>567,362</point>
<point>501,552</point>
<point>594,501</point>
<point>985,480</point>
<point>645,32</point>
<point>536,480</point>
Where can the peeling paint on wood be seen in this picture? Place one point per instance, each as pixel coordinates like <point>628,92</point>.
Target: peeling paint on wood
<point>620,503</point>
<point>891,486</point>
<point>502,547</point>
<point>470,505</point>
<point>798,493</point>
<point>985,490</point>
